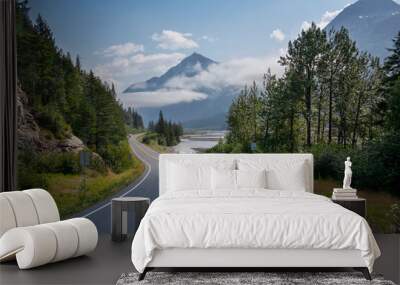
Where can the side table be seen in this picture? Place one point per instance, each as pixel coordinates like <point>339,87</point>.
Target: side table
<point>357,205</point>
<point>120,207</point>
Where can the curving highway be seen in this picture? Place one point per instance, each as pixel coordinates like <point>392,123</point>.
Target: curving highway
<point>145,186</point>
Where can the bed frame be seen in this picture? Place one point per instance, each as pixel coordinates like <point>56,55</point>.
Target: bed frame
<point>246,259</point>
<point>249,259</point>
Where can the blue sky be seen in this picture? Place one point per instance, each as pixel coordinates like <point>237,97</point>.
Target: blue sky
<point>127,41</point>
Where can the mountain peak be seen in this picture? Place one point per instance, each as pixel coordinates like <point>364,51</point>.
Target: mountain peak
<point>195,54</point>
<point>195,58</point>
<point>371,24</point>
<point>371,8</point>
<point>188,67</point>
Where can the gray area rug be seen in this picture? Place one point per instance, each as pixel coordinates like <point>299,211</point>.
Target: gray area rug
<point>228,278</point>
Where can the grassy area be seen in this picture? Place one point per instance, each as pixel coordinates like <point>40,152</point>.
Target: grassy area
<point>159,148</point>
<point>378,204</point>
<point>133,131</point>
<point>153,144</point>
<point>70,199</point>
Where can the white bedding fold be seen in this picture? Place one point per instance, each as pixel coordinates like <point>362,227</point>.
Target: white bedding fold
<point>250,219</point>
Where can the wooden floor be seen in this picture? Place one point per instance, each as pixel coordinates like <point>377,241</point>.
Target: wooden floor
<point>110,260</point>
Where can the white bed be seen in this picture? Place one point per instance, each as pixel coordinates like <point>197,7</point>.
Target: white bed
<point>248,226</point>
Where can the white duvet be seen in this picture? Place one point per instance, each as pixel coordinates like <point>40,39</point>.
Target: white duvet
<point>250,219</point>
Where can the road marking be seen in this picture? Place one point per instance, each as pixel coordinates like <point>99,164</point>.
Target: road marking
<point>133,188</point>
<point>146,151</point>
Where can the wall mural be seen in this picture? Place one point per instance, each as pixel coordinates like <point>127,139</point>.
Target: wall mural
<point>244,76</point>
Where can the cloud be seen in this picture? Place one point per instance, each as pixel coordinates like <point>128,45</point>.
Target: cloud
<point>122,49</point>
<point>277,35</point>
<point>127,70</point>
<point>208,38</point>
<point>234,73</point>
<point>172,40</point>
<point>305,25</point>
<point>160,97</point>
<point>326,18</point>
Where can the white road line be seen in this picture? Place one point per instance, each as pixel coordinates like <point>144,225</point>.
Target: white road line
<point>133,188</point>
<point>147,150</point>
<point>144,149</point>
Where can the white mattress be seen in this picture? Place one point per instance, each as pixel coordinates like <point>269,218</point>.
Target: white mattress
<point>251,219</point>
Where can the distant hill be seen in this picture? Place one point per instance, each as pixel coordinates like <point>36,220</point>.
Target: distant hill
<point>216,122</point>
<point>371,23</point>
<point>208,113</point>
<point>188,67</point>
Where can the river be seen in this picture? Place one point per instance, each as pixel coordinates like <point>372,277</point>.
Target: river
<point>199,141</point>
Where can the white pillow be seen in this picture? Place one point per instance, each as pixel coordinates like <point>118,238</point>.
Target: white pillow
<point>183,177</point>
<point>223,179</point>
<point>287,176</point>
<point>251,178</point>
<point>282,174</point>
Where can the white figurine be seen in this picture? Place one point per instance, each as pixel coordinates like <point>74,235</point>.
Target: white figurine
<point>347,174</point>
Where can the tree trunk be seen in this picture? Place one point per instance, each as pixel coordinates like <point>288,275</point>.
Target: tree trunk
<point>291,131</point>
<point>319,117</point>
<point>266,133</point>
<point>370,136</point>
<point>323,127</point>
<point>330,111</point>
<point>308,113</point>
<point>354,139</point>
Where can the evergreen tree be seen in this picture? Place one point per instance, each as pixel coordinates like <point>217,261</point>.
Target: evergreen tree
<point>64,99</point>
<point>78,63</point>
<point>168,132</point>
<point>329,90</point>
<point>304,58</point>
<point>392,88</point>
<point>133,119</point>
<point>151,126</point>
<point>160,126</point>
<point>392,63</point>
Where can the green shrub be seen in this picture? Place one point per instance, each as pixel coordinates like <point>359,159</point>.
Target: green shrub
<point>227,148</point>
<point>394,216</point>
<point>58,162</point>
<point>149,137</point>
<point>27,173</point>
<point>239,148</point>
<point>133,131</point>
<point>52,120</point>
<point>161,140</point>
<point>376,165</point>
<point>118,157</point>
<point>329,161</point>
<point>98,164</point>
<point>28,179</point>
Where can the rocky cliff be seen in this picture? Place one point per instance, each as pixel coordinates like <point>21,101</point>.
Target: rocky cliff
<point>30,135</point>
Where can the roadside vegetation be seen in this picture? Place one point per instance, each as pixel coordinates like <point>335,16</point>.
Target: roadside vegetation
<point>162,135</point>
<point>134,122</point>
<point>74,187</point>
<point>64,111</point>
<point>333,101</point>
